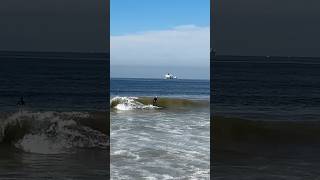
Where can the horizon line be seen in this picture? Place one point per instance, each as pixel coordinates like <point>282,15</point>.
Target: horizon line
<point>155,78</point>
<point>48,51</point>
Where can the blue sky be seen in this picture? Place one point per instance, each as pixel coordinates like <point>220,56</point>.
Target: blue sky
<point>150,36</point>
<point>129,16</point>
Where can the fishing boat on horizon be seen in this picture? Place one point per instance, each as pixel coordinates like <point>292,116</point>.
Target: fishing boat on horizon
<point>170,76</point>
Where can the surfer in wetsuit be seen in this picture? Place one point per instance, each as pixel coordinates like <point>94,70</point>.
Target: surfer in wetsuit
<point>155,99</point>
<point>21,102</point>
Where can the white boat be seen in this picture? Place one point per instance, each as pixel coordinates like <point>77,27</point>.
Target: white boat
<point>169,76</point>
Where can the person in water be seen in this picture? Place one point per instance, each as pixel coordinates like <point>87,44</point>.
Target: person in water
<point>155,99</point>
<point>21,102</point>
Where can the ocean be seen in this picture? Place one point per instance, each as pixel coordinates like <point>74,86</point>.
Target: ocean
<point>166,140</point>
<point>266,119</point>
<point>62,131</point>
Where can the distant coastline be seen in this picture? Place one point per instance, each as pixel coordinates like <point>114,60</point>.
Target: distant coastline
<point>27,55</point>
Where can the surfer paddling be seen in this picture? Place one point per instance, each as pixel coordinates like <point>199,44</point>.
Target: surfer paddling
<point>155,100</point>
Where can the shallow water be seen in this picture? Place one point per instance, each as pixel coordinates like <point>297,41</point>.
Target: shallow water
<point>167,141</point>
<point>260,167</point>
<point>160,144</point>
<point>42,145</point>
<point>81,164</point>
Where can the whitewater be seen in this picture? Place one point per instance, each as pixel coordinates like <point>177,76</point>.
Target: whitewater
<point>167,140</point>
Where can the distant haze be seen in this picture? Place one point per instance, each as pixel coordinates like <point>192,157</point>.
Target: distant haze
<point>157,52</point>
<point>182,72</point>
<point>159,37</point>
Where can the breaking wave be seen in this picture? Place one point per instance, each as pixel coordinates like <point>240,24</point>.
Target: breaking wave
<point>53,132</point>
<point>129,103</point>
<point>132,103</point>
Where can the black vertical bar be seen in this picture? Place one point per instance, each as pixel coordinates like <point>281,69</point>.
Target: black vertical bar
<point>108,83</point>
<point>212,56</point>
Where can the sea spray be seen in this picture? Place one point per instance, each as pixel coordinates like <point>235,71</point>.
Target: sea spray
<point>129,103</point>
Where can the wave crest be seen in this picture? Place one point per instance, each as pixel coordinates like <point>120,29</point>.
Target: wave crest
<point>50,132</point>
<point>129,103</point>
<point>132,103</point>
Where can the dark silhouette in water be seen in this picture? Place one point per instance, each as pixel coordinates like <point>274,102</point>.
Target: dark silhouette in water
<point>214,53</point>
<point>155,99</point>
<point>21,102</point>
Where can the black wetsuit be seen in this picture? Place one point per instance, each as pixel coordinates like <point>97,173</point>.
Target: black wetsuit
<point>155,99</point>
<point>21,102</point>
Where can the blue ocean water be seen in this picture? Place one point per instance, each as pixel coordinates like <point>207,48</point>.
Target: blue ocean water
<point>63,125</point>
<point>53,84</point>
<point>168,140</point>
<point>267,90</point>
<point>176,88</point>
<point>266,115</point>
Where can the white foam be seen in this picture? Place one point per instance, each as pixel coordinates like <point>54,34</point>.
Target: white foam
<point>130,103</point>
<point>171,145</point>
<point>126,154</point>
<point>52,132</point>
<point>201,174</point>
<point>42,144</point>
<point>60,137</point>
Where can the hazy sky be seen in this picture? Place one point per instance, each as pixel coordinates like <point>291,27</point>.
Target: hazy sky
<point>150,38</point>
<point>267,27</point>
<point>53,25</point>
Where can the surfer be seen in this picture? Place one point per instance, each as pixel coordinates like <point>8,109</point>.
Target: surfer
<point>21,102</point>
<point>155,99</point>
